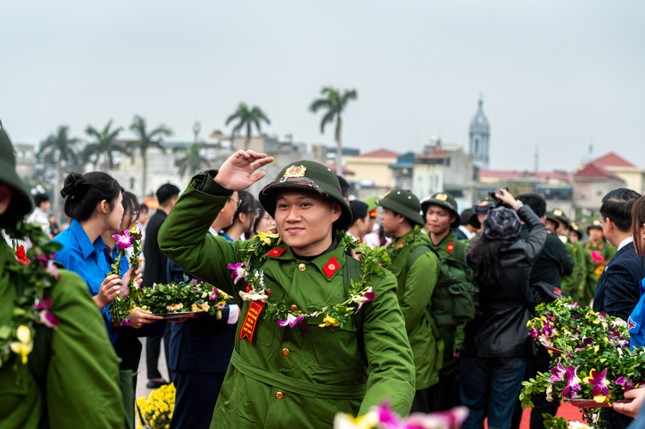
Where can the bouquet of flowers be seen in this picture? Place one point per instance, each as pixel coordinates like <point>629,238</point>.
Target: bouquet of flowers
<point>592,365</point>
<point>382,417</point>
<point>563,326</point>
<point>129,245</point>
<point>155,411</point>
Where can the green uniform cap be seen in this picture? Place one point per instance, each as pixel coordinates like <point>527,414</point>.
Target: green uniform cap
<point>444,200</point>
<point>596,224</point>
<point>403,202</point>
<point>21,202</point>
<point>559,217</point>
<point>307,176</point>
<point>575,228</point>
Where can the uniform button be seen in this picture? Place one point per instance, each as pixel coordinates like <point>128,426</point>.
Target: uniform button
<point>285,351</point>
<point>278,395</point>
<point>302,267</point>
<point>294,307</point>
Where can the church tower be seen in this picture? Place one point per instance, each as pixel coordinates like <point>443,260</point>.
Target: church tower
<point>479,138</point>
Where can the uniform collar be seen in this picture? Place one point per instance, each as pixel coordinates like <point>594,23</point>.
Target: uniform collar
<point>329,263</point>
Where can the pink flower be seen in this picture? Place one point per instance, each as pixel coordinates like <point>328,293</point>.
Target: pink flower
<point>214,294</point>
<point>388,418</point>
<point>625,382</point>
<point>573,382</point>
<point>534,333</point>
<point>361,300</point>
<point>238,271</point>
<point>547,330</point>
<point>291,321</point>
<point>557,373</point>
<point>47,318</point>
<point>600,384</point>
<point>123,240</point>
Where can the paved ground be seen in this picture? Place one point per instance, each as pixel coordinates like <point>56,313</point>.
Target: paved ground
<point>142,378</point>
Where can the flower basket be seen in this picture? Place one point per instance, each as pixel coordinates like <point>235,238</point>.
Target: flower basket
<point>595,366</point>
<point>155,411</point>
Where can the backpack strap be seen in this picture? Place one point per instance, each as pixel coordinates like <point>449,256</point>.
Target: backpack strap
<point>418,251</point>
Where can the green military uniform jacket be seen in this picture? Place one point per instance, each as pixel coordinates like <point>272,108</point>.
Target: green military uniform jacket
<point>82,378</point>
<point>451,247</point>
<point>577,284</point>
<point>415,287</point>
<point>288,377</point>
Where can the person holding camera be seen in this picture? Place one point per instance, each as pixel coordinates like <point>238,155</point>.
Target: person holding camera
<point>493,358</point>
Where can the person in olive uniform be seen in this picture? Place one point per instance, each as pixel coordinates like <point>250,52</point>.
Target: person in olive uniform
<point>290,376</point>
<point>441,215</point>
<point>416,268</point>
<point>80,385</point>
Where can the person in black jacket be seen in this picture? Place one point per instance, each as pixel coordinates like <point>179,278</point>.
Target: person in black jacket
<point>496,342</point>
<point>154,271</point>
<point>553,263</point>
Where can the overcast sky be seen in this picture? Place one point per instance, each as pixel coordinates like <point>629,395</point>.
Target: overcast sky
<point>558,75</point>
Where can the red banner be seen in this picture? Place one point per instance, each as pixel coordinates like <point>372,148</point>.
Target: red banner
<point>251,320</point>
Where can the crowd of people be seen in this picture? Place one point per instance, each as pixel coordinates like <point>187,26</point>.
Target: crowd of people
<point>317,328</point>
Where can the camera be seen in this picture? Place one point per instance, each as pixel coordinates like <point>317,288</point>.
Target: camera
<point>496,201</point>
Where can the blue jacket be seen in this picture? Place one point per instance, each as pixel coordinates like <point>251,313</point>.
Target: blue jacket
<point>618,289</point>
<point>636,320</point>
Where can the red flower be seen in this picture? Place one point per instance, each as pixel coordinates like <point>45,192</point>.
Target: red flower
<point>451,247</point>
<point>21,256</point>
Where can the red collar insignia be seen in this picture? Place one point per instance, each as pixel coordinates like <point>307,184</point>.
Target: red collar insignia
<point>451,247</point>
<point>331,267</point>
<point>276,252</point>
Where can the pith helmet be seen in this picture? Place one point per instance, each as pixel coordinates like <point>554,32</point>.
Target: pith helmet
<point>444,200</point>
<point>561,217</point>
<point>21,202</point>
<point>307,176</point>
<point>596,224</point>
<point>403,202</point>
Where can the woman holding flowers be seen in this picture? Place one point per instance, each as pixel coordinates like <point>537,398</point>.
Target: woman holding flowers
<point>496,342</point>
<point>94,202</point>
<point>636,320</point>
<point>319,331</point>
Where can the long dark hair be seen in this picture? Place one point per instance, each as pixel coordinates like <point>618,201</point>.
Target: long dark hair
<point>82,193</point>
<point>638,222</point>
<point>483,257</point>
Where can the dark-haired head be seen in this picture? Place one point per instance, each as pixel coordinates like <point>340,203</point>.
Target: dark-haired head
<point>131,210</point>
<point>259,214</point>
<point>536,202</point>
<point>246,204</point>
<point>617,207</point>
<point>638,225</point>
<point>344,187</point>
<point>359,210</point>
<point>166,193</point>
<point>40,198</point>
<point>82,193</point>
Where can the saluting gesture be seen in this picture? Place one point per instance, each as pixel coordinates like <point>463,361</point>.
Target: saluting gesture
<point>240,170</point>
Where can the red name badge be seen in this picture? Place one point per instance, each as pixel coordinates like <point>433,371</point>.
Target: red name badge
<point>251,320</point>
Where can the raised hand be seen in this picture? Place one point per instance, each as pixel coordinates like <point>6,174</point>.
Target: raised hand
<point>240,170</point>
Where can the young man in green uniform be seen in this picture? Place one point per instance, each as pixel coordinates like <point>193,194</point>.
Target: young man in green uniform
<point>416,269</point>
<point>575,283</point>
<point>70,378</point>
<point>441,216</point>
<point>294,363</point>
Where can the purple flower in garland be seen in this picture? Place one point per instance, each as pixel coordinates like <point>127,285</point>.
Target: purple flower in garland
<point>600,390</point>
<point>388,418</point>
<point>363,299</point>
<point>46,316</point>
<point>214,294</point>
<point>50,265</point>
<point>238,271</point>
<point>625,382</point>
<point>123,240</point>
<point>574,305</point>
<point>291,321</point>
<point>573,382</point>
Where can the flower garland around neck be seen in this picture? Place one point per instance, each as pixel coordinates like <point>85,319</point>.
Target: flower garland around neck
<point>359,292</point>
<point>399,244</point>
<point>33,274</point>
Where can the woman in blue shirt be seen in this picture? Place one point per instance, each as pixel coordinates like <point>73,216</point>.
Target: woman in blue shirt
<point>94,202</point>
<point>637,318</point>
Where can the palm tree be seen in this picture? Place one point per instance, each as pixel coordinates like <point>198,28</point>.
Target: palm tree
<point>333,103</point>
<point>103,143</point>
<point>147,139</point>
<point>193,161</point>
<point>59,149</point>
<point>247,119</point>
